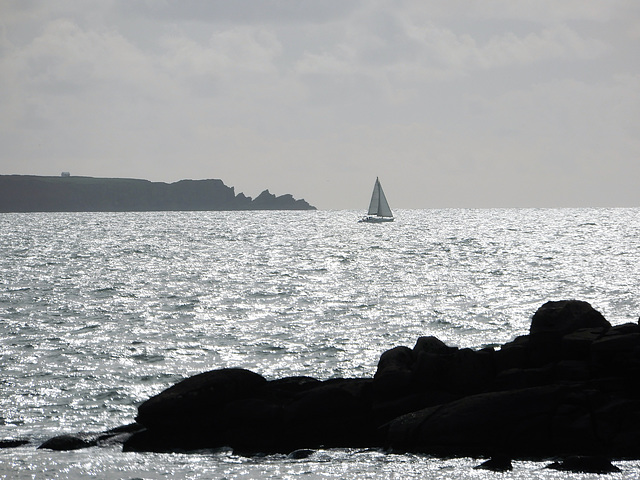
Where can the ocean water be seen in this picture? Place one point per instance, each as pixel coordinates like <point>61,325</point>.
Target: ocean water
<point>100,311</point>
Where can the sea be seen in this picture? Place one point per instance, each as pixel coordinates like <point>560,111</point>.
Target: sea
<point>100,311</point>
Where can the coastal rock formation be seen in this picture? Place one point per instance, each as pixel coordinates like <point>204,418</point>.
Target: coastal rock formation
<point>81,440</point>
<point>70,442</point>
<point>29,193</point>
<point>567,389</point>
<point>12,442</point>
<point>496,464</point>
<point>584,464</point>
<point>238,408</point>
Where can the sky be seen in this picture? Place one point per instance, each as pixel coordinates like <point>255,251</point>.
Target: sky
<point>478,104</point>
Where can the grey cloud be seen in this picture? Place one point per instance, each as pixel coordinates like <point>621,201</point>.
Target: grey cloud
<point>240,11</point>
<point>450,103</point>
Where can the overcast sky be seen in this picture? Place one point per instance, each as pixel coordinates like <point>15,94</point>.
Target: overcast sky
<point>488,103</point>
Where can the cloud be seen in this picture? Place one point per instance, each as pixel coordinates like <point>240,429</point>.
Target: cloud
<point>239,12</point>
<point>462,52</point>
<point>66,54</point>
<point>464,98</point>
<point>536,11</point>
<point>241,51</point>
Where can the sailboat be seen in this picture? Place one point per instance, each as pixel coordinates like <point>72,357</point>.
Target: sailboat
<point>379,210</point>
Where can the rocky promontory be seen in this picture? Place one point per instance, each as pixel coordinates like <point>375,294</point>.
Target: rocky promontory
<point>567,389</point>
<point>30,193</point>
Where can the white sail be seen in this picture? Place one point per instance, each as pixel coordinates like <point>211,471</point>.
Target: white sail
<point>383,206</point>
<point>375,199</point>
<point>379,205</point>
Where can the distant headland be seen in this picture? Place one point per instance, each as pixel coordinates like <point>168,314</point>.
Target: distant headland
<point>66,193</point>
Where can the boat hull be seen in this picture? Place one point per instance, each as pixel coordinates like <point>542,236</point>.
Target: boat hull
<point>374,219</point>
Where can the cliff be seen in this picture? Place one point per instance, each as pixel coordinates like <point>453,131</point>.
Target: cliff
<point>30,193</point>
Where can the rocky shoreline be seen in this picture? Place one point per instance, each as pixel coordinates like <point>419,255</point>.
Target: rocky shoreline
<point>568,389</point>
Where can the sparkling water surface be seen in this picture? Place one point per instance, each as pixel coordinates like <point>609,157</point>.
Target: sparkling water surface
<point>99,311</point>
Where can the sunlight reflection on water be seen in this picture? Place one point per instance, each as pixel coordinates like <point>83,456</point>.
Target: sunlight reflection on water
<point>100,311</point>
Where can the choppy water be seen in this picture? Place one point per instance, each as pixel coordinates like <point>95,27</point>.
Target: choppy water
<point>99,311</point>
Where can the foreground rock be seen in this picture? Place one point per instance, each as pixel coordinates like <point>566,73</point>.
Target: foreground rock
<point>70,442</point>
<point>241,409</point>
<point>496,464</point>
<point>579,464</point>
<point>81,440</point>
<point>569,388</point>
<point>12,442</point>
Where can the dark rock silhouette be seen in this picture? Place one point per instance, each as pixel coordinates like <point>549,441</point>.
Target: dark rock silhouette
<point>567,389</point>
<point>584,464</point>
<point>29,193</point>
<point>81,440</point>
<point>12,442</point>
<point>268,201</point>
<point>301,454</point>
<point>561,318</point>
<point>496,464</point>
<point>70,442</point>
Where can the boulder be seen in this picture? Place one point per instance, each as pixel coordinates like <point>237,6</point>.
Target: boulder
<point>499,463</point>
<point>431,371</point>
<point>70,442</point>
<point>577,344</point>
<point>624,329</point>
<point>199,399</point>
<point>609,349</point>
<point>459,371</point>
<point>584,464</point>
<point>394,373</point>
<point>572,371</point>
<point>544,348</point>
<point>562,317</point>
<point>513,354</point>
<point>251,425</point>
<point>202,411</point>
<point>12,443</point>
<point>517,378</point>
<point>516,422</point>
<point>336,414</point>
<point>289,387</point>
<point>76,441</point>
<point>385,411</point>
<point>118,435</point>
<point>471,371</point>
<point>300,454</point>
<point>159,441</point>
<point>433,345</point>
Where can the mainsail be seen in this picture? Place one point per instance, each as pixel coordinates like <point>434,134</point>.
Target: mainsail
<point>379,205</point>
